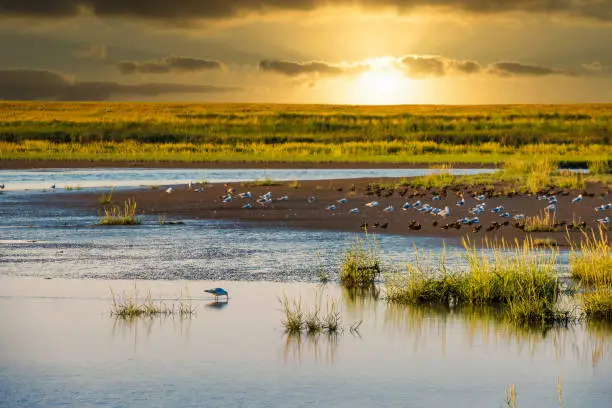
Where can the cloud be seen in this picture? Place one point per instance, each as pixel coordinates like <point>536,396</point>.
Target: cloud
<point>92,52</point>
<point>420,66</point>
<point>507,68</point>
<point>168,65</point>
<point>47,85</point>
<point>600,10</point>
<point>413,66</point>
<point>294,68</point>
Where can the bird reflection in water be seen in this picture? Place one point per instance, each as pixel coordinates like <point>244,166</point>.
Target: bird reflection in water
<point>218,304</point>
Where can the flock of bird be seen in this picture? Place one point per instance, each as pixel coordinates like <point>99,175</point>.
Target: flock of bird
<point>250,201</point>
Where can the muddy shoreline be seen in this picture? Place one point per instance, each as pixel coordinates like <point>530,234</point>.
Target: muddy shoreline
<point>297,212</point>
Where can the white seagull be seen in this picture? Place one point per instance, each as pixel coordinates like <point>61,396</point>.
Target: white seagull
<point>342,201</point>
<point>245,195</point>
<point>283,198</point>
<point>577,199</point>
<point>388,209</point>
<point>247,206</point>
<point>354,211</point>
<point>168,191</point>
<point>445,212</point>
<point>331,207</point>
<point>372,204</point>
<point>311,199</point>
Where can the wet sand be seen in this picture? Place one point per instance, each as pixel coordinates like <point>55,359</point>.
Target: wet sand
<point>76,164</point>
<point>297,212</point>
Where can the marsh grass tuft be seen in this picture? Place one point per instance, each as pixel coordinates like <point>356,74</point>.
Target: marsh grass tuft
<point>294,184</point>
<point>361,264</point>
<point>121,216</point>
<point>106,198</point>
<point>129,306</point>
<point>261,183</point>
<point>597,304</point>
<point>314,321</point>
<point>591,260</point>
<point>543,222</point>
<point>517,277</point>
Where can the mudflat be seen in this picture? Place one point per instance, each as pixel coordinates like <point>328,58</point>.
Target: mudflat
<point>299,210</point>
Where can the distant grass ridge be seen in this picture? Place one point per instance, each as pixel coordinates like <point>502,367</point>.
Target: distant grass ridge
<point>305,133</point>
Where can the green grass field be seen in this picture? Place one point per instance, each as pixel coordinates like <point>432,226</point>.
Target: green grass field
<point>303,133</point>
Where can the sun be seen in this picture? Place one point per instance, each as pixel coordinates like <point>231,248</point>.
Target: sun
<point>383,83</point>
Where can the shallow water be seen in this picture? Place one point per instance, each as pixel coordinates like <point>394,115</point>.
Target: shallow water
<point>63,349</point>
<point>39,240</point>
<point>37,179</point>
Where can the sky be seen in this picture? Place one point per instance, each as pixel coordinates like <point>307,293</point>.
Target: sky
<point>365,52</point>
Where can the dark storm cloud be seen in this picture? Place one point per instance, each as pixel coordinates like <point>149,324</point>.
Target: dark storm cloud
<point>46,85</point>
<point>507,68</point>
<point>168,65</point>
<point>221,9</point>
<point>294,68</point>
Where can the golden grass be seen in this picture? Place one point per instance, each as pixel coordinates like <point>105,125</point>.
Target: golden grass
<point>543,222</point>
<point>120,216</point>
<point>361,264</point>
<point>591,259</point>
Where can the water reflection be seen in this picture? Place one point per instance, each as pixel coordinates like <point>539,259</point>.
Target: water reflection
<point>218,304</point>
<point>320,347</point>
<point>139,329</point>
<point>588,342</point>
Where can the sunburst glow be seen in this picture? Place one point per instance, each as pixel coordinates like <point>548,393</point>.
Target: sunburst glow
<point>384,83</point>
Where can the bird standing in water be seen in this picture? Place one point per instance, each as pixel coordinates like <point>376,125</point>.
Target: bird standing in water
<point>218,292</point>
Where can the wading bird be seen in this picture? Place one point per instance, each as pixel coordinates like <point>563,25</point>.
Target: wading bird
<point>168,191</point>
<point>311,199</point>
<point>2,186</point>
<point>218,292</point>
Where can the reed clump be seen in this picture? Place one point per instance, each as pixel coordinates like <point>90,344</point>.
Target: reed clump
<point>361,264</point>
<point>121,216</point>
<point>597,304</point>
<point>316,320</point>
<point>543,222</point>
<point>591,259</point>
<point>129,306</point>
<point>517,277</point>
<point>106,198</point>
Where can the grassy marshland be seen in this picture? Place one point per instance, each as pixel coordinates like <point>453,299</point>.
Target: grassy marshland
<point>116,215</point>
<point>130,306</point>
<point>361,264</point>
<point>303,133</point>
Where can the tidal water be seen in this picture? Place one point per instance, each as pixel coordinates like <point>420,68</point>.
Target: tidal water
<point>37,179</point>
<point>60,347</point>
